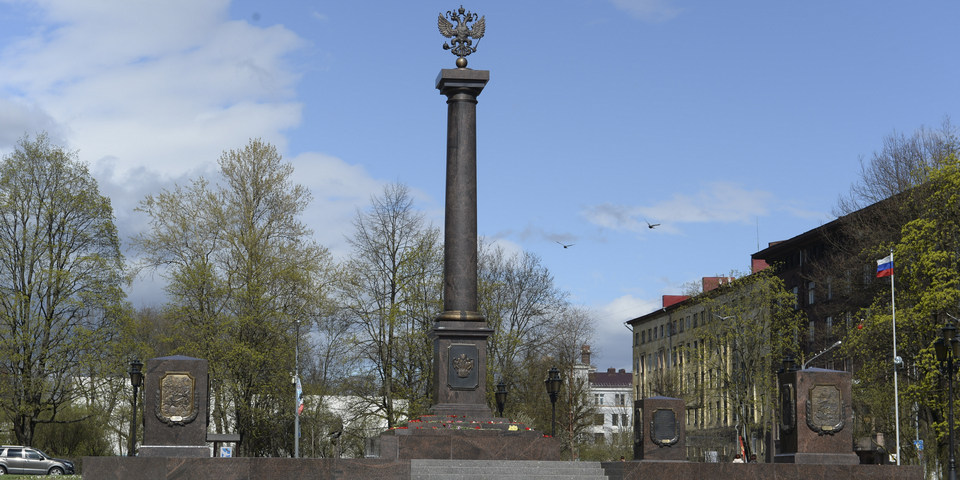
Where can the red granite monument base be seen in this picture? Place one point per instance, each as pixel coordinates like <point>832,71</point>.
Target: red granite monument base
<point>464,438</point>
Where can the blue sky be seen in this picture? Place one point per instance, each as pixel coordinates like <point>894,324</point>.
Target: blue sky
<point>732,124</point>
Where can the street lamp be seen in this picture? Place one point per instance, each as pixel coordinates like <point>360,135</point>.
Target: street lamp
<point>553,382</point>
<point>947,348</point>
<point>831,347</point>
<point>501,396</point>
<point>136,379</point>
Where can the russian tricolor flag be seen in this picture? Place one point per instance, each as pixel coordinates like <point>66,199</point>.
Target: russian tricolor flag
<point>299,397</point>
<point>885,266</point>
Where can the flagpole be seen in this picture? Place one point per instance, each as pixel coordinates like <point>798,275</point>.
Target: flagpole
<point>896,390</point>
<point>296,394</point>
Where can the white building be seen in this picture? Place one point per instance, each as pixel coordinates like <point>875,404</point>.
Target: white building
<point>611,394</point>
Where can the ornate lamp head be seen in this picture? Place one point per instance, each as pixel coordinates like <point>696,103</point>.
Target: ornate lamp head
<point>553,383</point>
<point>461,45</point>
<point>136,373</point>
<point>501,396</point>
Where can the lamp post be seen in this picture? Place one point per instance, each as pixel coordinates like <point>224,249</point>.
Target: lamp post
<point>501,396</point>
<point>298,393</point>
<point>825,350</point>
<point>947,348</point>
<point>553,382</point>
<point>136,379</point>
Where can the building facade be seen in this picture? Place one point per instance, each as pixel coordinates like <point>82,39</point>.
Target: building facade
<point>610,394</point>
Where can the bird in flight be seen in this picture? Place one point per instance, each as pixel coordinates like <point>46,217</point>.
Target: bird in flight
<point>652,225</point>
<point>565,245</point>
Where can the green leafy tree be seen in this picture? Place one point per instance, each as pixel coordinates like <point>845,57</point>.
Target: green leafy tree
<point>242,272</point>
<point>751,326</point>
<point>904,201</point>
<point>927,283</point>
<point>61,273</point>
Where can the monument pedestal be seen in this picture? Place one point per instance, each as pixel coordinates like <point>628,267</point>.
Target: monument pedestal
<point>175,408</point>
<point>816,418</point>
<point>660,433</point>
<point>460,373</point>
<point>463,438</point>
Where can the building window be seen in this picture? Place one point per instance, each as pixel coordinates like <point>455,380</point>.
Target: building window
<point>643,337</point>
<point>813,331</point>
<point>811,293</point>
<point>598,419</point>
<point>614,419</point>
<point>829,325</point>
<point>636,338</point>
<point>796,297</point>
<point>621,399</point>
<point>598,398</point>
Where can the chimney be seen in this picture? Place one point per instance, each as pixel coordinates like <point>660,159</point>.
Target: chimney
<point>585,355</point>
<point>757,265</point>
<point>611,370</point>
<point>712,283</point>
<point>669,300</point>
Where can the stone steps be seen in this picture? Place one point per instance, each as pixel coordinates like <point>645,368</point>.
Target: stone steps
<point>504,469</point>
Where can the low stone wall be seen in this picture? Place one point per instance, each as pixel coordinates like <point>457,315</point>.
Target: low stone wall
<point>757,471</point>
<point>158,468</point>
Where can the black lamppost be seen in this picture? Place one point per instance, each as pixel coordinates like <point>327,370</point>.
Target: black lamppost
<point>553,382</point>
<point>136,379</point>
<point>501,396</point>
<point>948,348</point>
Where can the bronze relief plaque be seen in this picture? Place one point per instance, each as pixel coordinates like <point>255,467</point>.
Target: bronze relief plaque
<point>825,409</point>
<point>177,401</point>
<point>463,366</point>
<point>664,430</point>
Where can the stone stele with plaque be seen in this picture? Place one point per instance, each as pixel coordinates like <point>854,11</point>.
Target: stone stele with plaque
<point>175,406</point>
<point>660,434</point>
<point>815,418</point>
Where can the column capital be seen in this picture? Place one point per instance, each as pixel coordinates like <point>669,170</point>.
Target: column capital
<point>454,79</point>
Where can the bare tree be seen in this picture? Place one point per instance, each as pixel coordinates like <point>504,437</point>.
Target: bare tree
<point>522,305</point>
<point>391,288</point>
<point>902,163</point>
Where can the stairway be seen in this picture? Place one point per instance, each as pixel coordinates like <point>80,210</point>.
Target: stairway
<point>504,470</point>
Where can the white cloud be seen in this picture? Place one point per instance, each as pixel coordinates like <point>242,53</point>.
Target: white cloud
<point>627,307</point>
<point>648,10</point>
<point>19,118</point>
<point>612,350</point>
<point>338,190</point>
<point>160,85</point>
<point>151,93</point>
<point>717,202</point>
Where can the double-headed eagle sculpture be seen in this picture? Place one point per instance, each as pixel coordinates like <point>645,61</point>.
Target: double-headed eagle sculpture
<point>461,45</point>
